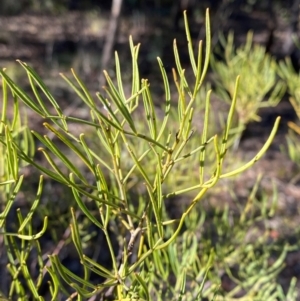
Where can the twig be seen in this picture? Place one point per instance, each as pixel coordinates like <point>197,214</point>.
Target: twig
<point>110,37</point>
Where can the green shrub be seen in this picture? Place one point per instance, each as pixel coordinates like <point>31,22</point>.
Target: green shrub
<point>259,86</point>
<point>117,170</point>
<point>287,72</point>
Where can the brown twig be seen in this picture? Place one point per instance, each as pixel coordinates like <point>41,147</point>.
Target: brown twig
<point>110,37</point>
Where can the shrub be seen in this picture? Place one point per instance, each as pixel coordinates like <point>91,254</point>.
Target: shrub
<point>259,86</point>
<point>116,170</point>
<point>287,72</point>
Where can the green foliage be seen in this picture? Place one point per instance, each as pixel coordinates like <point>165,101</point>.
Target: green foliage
<point>216,244</point>
<point>119,170</point>
<point>287,72</point>
<point>15,136</point>
<point>258,88</point>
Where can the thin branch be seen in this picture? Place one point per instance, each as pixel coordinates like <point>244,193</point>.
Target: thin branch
<point>110,37</point>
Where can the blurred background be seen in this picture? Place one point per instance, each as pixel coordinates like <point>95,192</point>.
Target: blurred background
<point>58,34</point>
